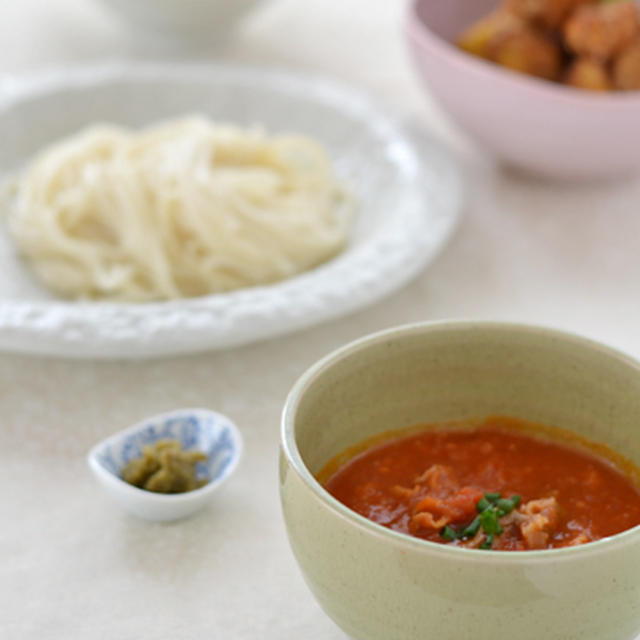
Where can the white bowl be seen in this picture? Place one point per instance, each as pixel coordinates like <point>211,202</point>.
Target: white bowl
<point>207,431</point>
<point>201,20</point>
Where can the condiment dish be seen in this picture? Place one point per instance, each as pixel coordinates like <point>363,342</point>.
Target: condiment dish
<point>542,127</point>
<point>378,584</point>
<point>201,429</point>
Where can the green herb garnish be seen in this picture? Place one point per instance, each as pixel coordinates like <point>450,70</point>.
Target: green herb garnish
<point>491,508</point>
<point>488,542</point>
<point>449,533</point>
<point>507,505</point>
<point>489,522</point>
<point>472,529</point>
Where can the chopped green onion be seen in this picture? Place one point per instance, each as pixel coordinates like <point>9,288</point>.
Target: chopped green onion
<point>505,506</point>
<point>489,522</point>
<point>472,529</point>
<point>488,542</point>
<point>449,533</point>
<point>491,508</point>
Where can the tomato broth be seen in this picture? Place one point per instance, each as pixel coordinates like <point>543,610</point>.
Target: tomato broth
<point>494,486</point>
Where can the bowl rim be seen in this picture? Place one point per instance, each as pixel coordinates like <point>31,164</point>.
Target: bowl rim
<point>420,34</point>
<point>289,448</point>
<point>118,484</point>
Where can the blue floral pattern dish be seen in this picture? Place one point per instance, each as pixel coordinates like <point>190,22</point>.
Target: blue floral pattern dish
<point>201,429</point>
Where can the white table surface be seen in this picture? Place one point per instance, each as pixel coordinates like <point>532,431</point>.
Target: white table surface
<point>72,564</point>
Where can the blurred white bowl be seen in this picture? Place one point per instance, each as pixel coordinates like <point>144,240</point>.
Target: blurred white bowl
<point>195,20</point>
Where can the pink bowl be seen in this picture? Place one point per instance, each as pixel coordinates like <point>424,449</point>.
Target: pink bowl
<point>541,127</point>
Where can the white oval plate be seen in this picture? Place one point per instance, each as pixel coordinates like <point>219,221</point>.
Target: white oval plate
<point>408,203</point>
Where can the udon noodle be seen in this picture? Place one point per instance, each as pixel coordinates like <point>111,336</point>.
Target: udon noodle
<point>183,208</point>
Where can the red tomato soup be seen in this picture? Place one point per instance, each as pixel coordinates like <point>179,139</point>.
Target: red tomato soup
<point>495,486</point>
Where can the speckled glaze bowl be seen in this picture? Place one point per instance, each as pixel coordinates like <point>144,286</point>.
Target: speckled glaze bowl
<point>541,127</point>
<point>380,585</point>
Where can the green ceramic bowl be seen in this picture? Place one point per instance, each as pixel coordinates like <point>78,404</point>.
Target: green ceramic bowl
<point>378,584</point>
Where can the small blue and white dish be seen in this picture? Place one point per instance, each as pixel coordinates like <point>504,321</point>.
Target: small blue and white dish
<point>200,429</point>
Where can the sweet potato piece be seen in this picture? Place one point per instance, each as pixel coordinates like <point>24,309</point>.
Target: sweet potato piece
<point>528,51</point>
<point>587,73</point>
<point>626,68</point>
<point>549,14</point>
<point>476,39</point>
<point>602,30</point>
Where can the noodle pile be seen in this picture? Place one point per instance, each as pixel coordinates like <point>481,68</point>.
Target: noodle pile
<point>183,208</point>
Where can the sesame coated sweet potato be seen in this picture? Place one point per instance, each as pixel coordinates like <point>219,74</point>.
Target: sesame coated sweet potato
<point>587,73</point>
<point>528,51</point>
<point>549,14</point>
<point>626,68</point>
<point>602,30</point>
<point>508,41</point>
<point>478,39</point>
<point>587,44</point>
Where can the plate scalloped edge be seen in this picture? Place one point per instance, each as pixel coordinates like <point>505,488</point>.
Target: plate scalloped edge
<point>426,214</point>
